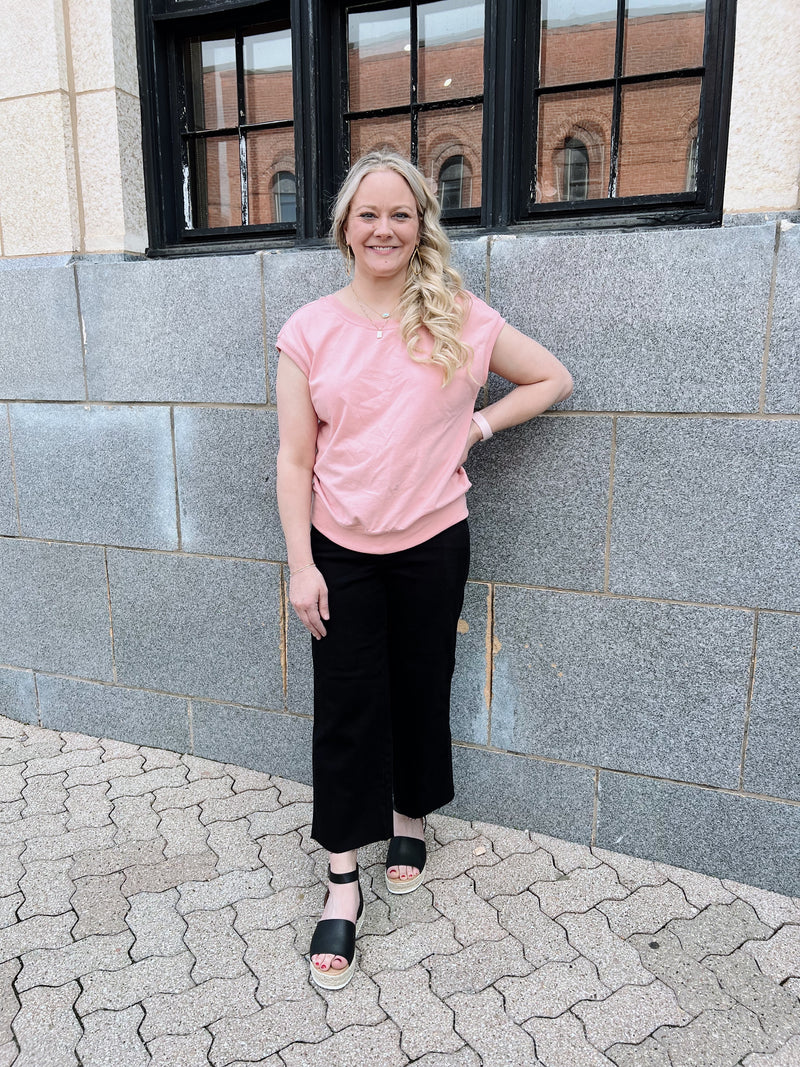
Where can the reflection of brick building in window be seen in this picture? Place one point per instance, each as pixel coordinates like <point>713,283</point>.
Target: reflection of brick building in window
<point>657,128</point>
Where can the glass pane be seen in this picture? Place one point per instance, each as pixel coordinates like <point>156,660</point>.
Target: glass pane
<point>268,76</point>
<point>450,38</point>
<point>379,58</point>
<point>271,186</point>
<point>657,129</point>
<point>574,127</point>
<point>216,182</point>
<point>444,137</point>
<point>393,132</point>
<point>211,83</point>
<point>578,41</point>
<point>663,35</point>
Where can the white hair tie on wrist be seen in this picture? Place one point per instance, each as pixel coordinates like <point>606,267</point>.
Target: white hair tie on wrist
<point>482,424</point>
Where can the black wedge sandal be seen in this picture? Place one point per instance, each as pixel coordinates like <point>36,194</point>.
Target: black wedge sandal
<point>337,937</point>
<point>409,852</point>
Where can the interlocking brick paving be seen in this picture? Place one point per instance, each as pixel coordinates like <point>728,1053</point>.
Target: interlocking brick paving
<point>156,908</point>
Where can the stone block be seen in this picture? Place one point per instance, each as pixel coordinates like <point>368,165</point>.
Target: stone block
<point>261,740</point>
<point>299,668</point>
<point>226,482</point>
<point>47,1020</point>
<point>628,684</point>
<point>291,279</point>
<point>528,794</point>
<point>8,501</point>
<point>32,58</point>
<point>54,609</point>
<point>705,510</point>
<point>110,711</point>
<point>41,356</point>
<point>670,320</point>
<point>205,627</point>
<point>773,740</point>
<point>18,695</point>
<point>716,833</point>
<point>37,176</point>
<point>184,329</point>
<point>112,1037</point>
<point>539,503</point>
<point>95,474</point>
<point>470,257</point>
<point>469,702</point>
<point>783,371</point>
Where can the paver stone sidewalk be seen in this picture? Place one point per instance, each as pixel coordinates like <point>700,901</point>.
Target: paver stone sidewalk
<point>157,908</point>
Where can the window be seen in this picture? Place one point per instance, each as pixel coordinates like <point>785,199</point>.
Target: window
<point>455,184</point>
<point>524,113</point>
<point>284,194</point>
<point>575,170</point>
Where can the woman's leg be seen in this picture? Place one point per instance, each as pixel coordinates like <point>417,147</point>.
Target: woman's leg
<point>426,594</point>
<point>352,744</point>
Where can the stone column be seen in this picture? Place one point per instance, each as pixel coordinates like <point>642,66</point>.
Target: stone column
<point>70,135</point>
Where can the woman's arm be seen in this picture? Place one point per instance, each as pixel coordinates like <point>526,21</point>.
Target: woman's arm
<point>540,379</point>
<point>297,422</point>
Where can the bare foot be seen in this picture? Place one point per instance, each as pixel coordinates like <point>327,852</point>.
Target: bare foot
<point>342,903</point>
<point>405,827</point>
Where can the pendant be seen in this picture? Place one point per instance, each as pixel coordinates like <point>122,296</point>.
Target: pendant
<point>379,334</point>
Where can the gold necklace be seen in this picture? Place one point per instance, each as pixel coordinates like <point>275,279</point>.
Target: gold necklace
<point>383,314</point>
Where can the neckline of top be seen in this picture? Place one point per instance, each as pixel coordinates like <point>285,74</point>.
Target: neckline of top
<point>358,320</point>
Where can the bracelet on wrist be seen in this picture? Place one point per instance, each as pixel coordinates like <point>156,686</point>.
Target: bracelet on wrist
<point>299,570</point>
<point>482,423</point>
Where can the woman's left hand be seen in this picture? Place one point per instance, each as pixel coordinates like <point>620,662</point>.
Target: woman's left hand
<point>473,437</point>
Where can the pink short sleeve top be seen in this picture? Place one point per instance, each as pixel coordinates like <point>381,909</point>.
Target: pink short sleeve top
<point>387,474</point>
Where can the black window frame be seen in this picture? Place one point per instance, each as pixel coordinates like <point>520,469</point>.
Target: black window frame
<point>319,80</point>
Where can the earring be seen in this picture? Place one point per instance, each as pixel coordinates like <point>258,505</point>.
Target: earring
<point>416,268</point>
<point>348,262</point>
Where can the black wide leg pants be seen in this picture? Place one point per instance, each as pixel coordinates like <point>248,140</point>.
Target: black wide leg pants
<point>382,685</point>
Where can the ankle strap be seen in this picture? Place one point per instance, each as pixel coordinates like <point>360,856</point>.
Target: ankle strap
<point>343,879</point>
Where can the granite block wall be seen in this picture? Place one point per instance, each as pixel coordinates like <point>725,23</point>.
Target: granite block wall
<point>628,668</point>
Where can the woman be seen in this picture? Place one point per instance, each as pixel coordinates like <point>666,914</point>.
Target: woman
<point>376,391</point>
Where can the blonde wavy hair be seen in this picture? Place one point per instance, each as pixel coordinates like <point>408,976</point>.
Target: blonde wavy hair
<point>433,299</point>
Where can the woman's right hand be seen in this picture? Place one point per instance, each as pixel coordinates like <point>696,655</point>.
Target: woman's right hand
<point>308,595</point>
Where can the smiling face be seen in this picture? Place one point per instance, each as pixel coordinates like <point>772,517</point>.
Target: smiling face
<point>382,225</point>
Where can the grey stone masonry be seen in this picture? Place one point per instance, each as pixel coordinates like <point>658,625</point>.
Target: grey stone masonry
<point>41,356</point>
<point>783,374</point>
<point>773,742</point>
<point>261,740</point>
<point>141,717</point>
<point>226,482</point>
<point>706,510</point>
<point>672,320</point>
<point>8,503</point>
<point>703,829</point>
<point>54,608</point>
<point>95,474</point>
<point>196,625</point>
<point>148,339</point>
<point>18,695</point>
<point>557,799</point>
<point>539,503</point>
<point>626,671</point>
<point>638,686</point>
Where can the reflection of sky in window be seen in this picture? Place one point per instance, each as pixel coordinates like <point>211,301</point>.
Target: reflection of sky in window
<point>450,20</point>
<point>262,53</point>
<point>444,20</point>
<point>218,55</point>
<point>575,12</point>
<point>268,52</point>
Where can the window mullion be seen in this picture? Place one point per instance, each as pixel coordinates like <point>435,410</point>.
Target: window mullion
<point>617,105</point>
<point>414,43</point>
<point>239,51</point>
